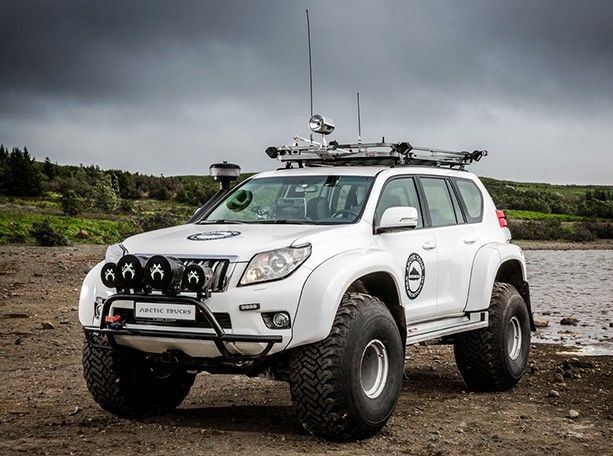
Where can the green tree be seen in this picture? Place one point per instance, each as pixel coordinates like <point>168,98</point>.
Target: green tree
<point>18,174</point>
<point>105,197</point>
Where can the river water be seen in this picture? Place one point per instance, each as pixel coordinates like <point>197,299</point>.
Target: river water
<point>578,283</point>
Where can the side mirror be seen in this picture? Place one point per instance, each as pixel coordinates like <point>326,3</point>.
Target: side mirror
<point>398,218</point>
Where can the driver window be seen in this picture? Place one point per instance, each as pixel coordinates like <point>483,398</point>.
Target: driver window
<point>399,192</point>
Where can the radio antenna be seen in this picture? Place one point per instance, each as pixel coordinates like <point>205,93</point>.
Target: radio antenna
<point>359,120</point>
<point>310,64</point>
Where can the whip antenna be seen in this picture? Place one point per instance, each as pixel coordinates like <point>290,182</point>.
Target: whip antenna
<point>310,64</point>
<point>359,120</point>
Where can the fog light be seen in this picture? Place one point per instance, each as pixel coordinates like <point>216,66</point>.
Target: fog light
<point>281,320</point>
<point>276,320</point>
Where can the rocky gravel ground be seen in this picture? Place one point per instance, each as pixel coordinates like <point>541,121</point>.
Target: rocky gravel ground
<point>563,405</point>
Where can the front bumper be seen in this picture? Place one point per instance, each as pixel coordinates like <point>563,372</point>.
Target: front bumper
<point>115,332</point>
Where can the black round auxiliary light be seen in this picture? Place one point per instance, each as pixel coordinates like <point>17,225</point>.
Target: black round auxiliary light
<point>164,273</point>
<point>197,278</point>
<point>108,274</point>
<point>130,272</point>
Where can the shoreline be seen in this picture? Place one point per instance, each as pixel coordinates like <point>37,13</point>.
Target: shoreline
<point>600,244</point>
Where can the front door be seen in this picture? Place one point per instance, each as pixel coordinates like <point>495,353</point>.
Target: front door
<point>414,251</point>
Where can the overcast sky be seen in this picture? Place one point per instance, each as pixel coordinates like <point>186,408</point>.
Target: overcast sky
<point>171,87</point>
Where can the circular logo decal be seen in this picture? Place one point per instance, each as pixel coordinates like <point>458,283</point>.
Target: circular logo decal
<point>414,275</point>
<point>213,235</point>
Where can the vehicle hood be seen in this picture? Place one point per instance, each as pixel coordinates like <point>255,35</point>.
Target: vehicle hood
<point>241,241</point>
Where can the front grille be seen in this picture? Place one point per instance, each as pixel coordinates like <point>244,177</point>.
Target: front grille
<point>223,318</point>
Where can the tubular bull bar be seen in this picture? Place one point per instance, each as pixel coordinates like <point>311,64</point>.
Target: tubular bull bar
<point>220,338</point>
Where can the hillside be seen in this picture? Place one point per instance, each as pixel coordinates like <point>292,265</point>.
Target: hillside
<point>43,202</point>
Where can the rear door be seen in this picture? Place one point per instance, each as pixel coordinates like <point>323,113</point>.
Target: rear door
<point>456,242</point>
<point>413,251</point>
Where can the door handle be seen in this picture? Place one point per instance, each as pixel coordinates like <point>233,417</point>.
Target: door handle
<point>470,241</point>
<point>429,245</point>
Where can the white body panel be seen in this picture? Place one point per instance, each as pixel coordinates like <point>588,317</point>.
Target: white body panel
<point>460,262</point>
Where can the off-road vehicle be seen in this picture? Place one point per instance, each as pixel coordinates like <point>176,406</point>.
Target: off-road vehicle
<point>319,274</point>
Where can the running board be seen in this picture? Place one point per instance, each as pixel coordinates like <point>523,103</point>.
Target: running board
<point>421,332</point>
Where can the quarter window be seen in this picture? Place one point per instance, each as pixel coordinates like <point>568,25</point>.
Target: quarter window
<point>472,197</point>
<point>440,205</point>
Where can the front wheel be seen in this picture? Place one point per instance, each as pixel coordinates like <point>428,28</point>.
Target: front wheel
<point>129,385</point>
<point>494,358</point>
<point>346,386</point>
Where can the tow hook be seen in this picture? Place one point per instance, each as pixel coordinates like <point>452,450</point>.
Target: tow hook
<point>114,321</point>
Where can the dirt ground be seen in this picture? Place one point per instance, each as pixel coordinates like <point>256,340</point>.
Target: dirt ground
<point>45,407</point>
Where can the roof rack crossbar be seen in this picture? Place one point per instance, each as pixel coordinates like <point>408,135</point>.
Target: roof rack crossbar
<point>306,152</point>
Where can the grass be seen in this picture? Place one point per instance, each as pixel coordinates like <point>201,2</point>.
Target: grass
<point>516,214</point>
<point>17,225</point>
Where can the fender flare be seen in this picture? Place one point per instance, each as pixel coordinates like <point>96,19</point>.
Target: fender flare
<point>485,268</point>
<point>92,287</point>
<point>324,288</point>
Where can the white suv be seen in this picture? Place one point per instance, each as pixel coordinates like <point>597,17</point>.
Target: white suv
<point>316,275</point>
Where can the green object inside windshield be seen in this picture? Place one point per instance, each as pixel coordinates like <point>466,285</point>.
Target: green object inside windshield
<point>295,199</point>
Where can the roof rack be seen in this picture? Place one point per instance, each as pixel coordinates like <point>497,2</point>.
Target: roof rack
<point>305,152</point>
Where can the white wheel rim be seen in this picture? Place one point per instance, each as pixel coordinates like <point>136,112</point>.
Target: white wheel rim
<point>374,367</point>
<point>514,338</point>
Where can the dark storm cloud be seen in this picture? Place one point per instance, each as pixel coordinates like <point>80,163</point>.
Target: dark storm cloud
<point>123,83</point>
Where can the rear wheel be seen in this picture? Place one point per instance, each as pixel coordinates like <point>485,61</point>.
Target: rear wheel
<point>129,385</point>
<point>346,386</point>
<point>494,358</point>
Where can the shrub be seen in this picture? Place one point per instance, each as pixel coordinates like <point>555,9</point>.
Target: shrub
<point>157,221</point>
<point>46,235</point>
<point>71,205</point>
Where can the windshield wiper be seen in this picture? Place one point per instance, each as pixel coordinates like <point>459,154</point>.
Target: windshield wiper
<point>221,221</point>
<point>286,222</point>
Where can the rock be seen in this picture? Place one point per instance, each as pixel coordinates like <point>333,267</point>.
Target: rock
<point>579,364</point>
<point>569,321</point>
<point>558,378</point>
<point>18,341</point>
<point>553,393</point>
<point>47,325</point>
<point>76,410</point>
<point>611,324</point>
<point>568,374</point>
<point>572,414</point>
<point>37,274</point>
<point>64,322</point>
<point>15,315</point>
<point>82,234</point>
<point>541,323</point>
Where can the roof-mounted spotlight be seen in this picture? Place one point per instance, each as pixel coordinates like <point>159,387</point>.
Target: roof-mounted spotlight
<point>225,173</point>
<point>319,124</point>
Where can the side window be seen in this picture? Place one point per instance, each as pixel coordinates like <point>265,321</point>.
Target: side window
<point>399,192</point>
<point>440,205</point>
<point>472,197</point>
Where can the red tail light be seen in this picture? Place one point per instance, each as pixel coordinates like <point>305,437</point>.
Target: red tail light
<point>502,220</point>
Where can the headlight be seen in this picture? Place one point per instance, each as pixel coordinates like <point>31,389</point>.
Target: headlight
<point>275,264</point>
<point>114,253</point>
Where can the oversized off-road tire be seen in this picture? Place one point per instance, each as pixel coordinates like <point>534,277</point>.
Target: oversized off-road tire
<point>129,385</point>
<point>494,358</point>
<point>346,386</point>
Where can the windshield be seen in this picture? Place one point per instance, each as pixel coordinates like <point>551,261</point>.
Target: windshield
<point>294,199</point>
